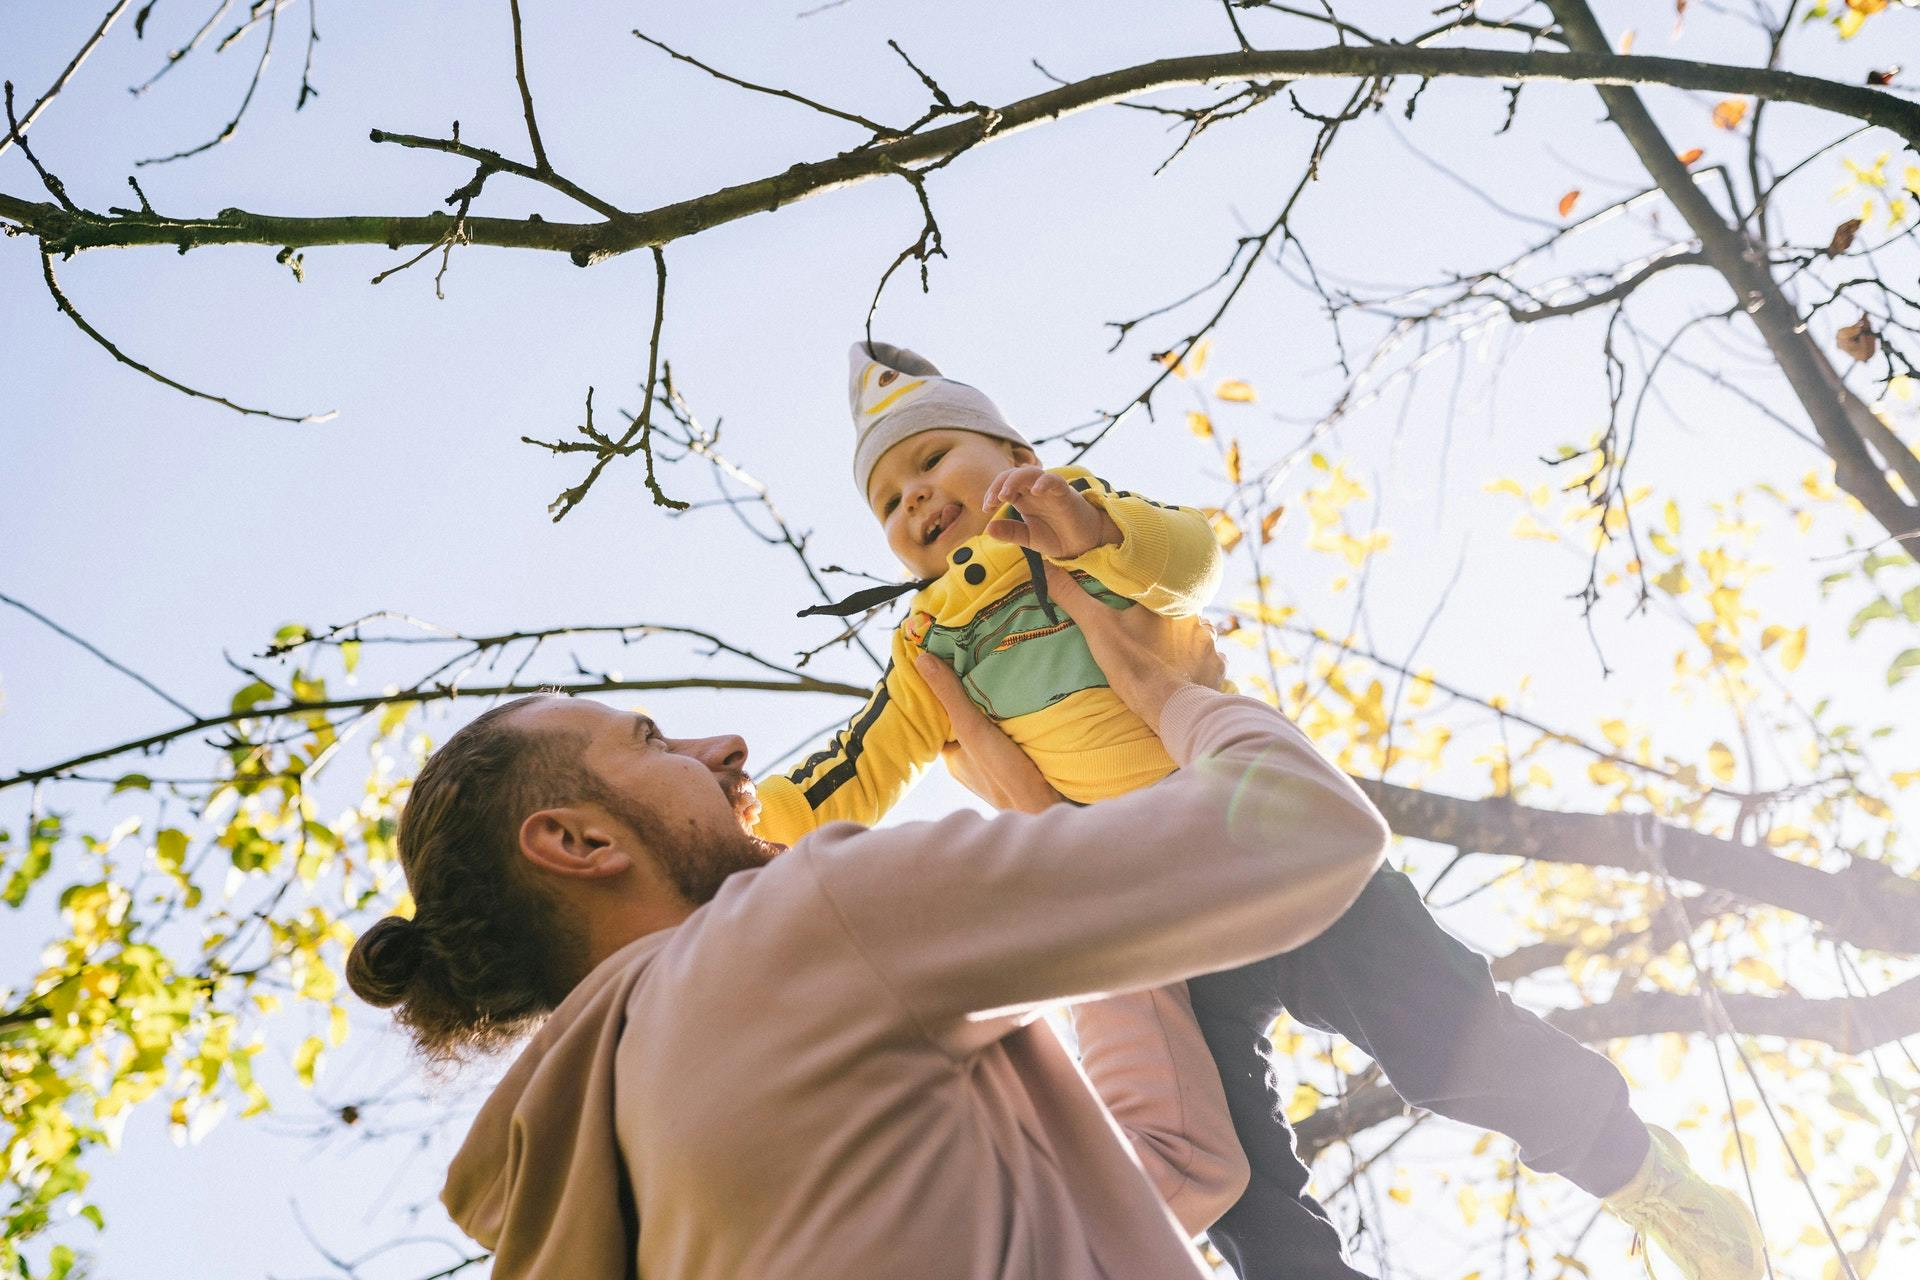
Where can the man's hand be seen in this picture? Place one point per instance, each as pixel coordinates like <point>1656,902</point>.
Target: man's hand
<point>1145,657</point>
<point>1058,522</point>
<point>983,759</point>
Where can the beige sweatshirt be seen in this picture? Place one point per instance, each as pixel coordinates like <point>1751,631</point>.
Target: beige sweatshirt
<point>834,1069</point>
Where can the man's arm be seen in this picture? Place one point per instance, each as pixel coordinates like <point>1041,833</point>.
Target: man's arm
<point>1149,1063</point>
<point>1254,847</point>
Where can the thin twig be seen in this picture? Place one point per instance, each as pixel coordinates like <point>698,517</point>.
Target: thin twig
<point>93,649</point>
<point>60,81</point>
<point>266,51</point>
<point>879,130</point>
<point>66,307</point>
<point>526,94</point>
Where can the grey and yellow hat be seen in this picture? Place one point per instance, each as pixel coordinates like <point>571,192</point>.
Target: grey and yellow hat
<point>896,394</point>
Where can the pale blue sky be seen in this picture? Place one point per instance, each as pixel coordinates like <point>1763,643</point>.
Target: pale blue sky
<point>168,531</point>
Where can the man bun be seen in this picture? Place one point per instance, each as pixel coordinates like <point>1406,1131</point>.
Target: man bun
<point>386,959</point>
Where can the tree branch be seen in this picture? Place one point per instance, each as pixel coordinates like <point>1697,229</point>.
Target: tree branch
<point>67,308</point>
<point>60,81</point>
<point>594,242</point>
<point>526,94</point>
<point>1849,1024</point>
<point>1865,904</point>
<point>438,693</point>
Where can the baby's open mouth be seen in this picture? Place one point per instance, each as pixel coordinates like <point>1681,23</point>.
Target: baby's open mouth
<point>942,522</point>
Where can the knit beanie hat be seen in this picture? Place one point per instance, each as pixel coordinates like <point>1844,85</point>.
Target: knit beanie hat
<point>896,394</point>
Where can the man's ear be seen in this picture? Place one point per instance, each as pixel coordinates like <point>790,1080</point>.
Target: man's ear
<point>575,842</point>
<point>1024,456</point>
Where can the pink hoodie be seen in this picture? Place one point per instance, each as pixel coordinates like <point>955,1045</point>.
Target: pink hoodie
<point>834,1069</point>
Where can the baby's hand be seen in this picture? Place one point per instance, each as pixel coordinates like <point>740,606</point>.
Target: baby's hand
<point>1058,522</point>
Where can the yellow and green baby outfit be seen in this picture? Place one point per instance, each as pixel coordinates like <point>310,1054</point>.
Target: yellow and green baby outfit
<point>1025,665</point>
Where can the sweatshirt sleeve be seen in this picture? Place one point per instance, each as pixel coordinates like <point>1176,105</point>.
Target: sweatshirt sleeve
<point>1167,558</point>
<point>1252,848</point>
<point>866,768</point>
<point>1147,1060</point>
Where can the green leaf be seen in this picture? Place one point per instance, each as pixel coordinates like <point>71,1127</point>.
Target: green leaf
<point>59,1262</point>
<point>1903,666</point>
<point>1910,604</point>
<point>132,782</point>
<point>292,633</point>
<point>251,696</point>
<point>170,848</point>
<point>1881,608</point>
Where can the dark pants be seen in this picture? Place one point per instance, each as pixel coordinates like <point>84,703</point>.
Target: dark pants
<point>1414,999</point>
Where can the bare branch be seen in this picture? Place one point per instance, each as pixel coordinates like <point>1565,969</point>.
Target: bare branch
<point>595,242</point>
<point>121,667</point>
<point>435,693</point>
<point>879,130</point>
<point>67,308</point>
<point>526,94</point>
<point>1865,904</point>
<point>174,57</point>
<point>266,51</point>
<point>60,81</point>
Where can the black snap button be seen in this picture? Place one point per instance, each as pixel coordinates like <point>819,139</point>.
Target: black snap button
<point>1082,484</point>
<point>963,555</point>
<point>975,574</point>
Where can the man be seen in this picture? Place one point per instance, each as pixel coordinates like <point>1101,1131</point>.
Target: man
<point>826,1062</point>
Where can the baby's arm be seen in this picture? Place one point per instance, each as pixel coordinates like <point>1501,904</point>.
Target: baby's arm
<point>1161,556</point>
<point>866,768</point>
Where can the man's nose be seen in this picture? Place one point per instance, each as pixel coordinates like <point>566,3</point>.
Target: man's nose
<point>726,753</point>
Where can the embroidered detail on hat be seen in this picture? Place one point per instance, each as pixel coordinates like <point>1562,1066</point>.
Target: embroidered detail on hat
<point>975,574</point>
<point>963,555</point>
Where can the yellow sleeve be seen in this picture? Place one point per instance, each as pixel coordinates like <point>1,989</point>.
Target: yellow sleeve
<point>866,768</point>
<point>1167,558</point>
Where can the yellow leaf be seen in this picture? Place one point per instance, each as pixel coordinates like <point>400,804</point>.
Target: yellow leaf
<point>1905,778</point>
<point>305,1058</point>
<point>1225,531</point>
<point>1505,484</point>
<point>1399,1195</point>
<point>1234,390</point>
<point>1720,761</point>
<point>1303,1103</point>
<point>1616,731</point>
<point>1729,112</point>
<point>1269,522</point>
<point>1673,581</point>
<point>1469,1211</point>
<point>1690,155</point>
<point>1567,202</point>
<point>1190,367</point>
<point>1673,516</point>
<point>1604,773</point>
<point>1200,424</point>
<point>337,1026</point>
<point>1233,462</point>
<point>1528,527</point>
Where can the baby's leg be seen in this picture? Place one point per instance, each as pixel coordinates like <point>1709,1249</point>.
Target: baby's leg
<point>1276,1231</point>
<point>1390,979</point>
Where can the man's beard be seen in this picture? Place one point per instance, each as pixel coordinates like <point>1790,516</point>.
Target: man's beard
<point>695,867</point>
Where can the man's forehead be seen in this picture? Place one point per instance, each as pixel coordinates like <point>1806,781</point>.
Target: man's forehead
<point>586,714</point>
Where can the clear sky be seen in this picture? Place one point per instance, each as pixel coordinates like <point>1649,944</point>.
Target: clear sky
<point>170,532</point>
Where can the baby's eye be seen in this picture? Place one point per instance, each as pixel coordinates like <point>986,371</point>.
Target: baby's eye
<point>933,460</point>
<point>886,508</point>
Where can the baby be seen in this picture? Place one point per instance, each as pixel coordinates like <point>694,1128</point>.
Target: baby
<point>970,513</point>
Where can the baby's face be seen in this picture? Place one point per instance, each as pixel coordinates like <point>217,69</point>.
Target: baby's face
<point>926,493</point>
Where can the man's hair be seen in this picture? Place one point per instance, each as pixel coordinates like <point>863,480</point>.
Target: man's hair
<point>485,956</point>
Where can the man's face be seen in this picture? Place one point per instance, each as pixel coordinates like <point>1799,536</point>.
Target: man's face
<point>689,801</point>
<point>926,493</point>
